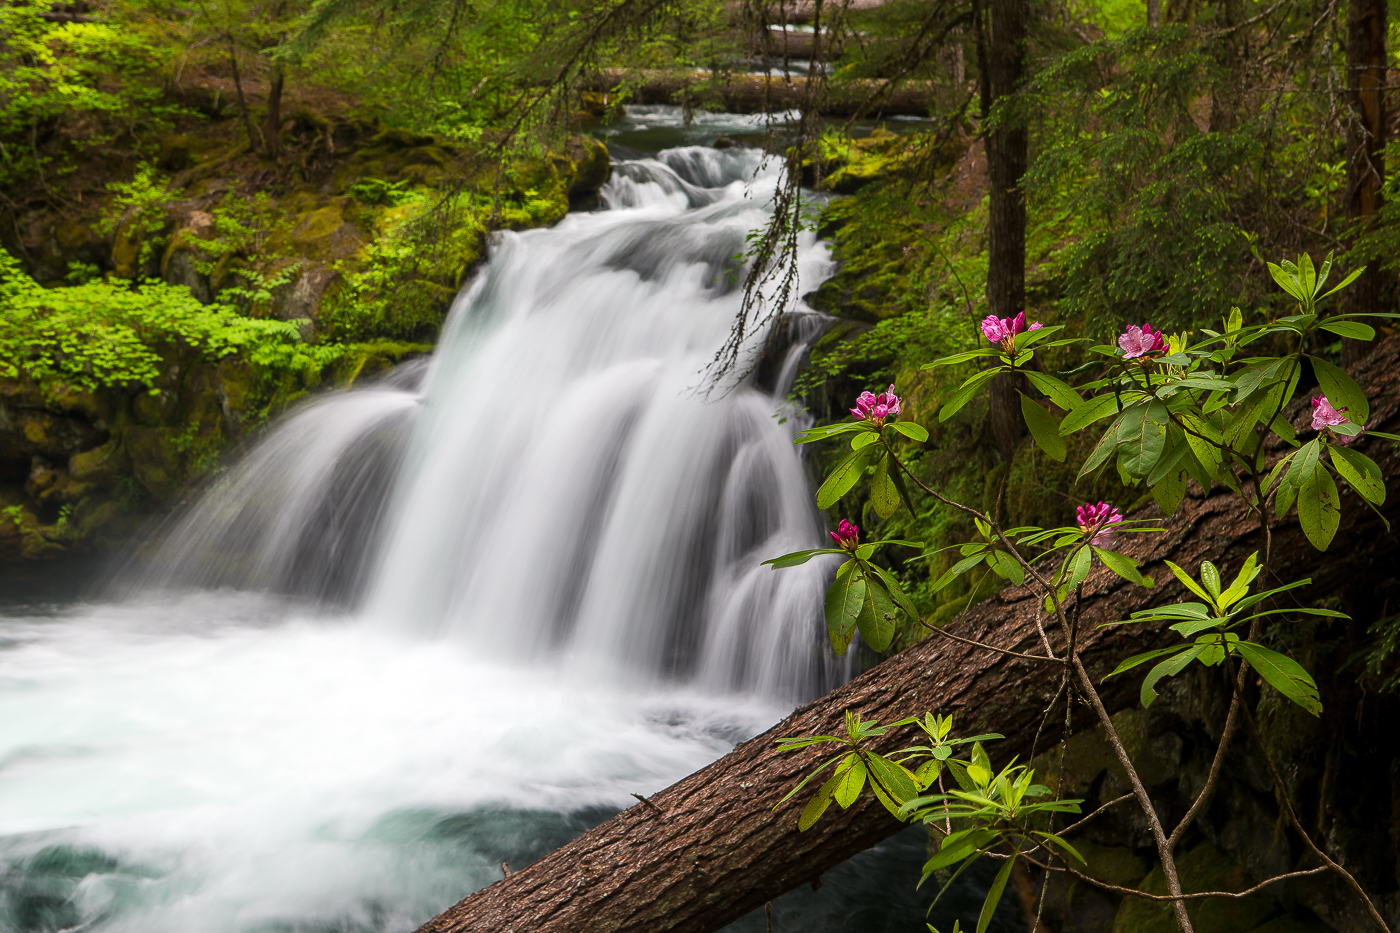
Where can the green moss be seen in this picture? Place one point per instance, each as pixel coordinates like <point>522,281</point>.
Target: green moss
<point>1204,868</point>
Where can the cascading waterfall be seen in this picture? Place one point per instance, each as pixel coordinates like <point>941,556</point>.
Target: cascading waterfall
<point>443,621</point>
<point>559,487</point>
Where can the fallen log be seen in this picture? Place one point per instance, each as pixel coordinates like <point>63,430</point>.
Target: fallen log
<point>706,850</point>
<point>748,93</point>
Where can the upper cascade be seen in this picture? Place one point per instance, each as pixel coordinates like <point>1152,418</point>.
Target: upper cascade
<point>561,485</point>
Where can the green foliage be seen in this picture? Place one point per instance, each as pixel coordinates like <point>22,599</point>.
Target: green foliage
<point>100,334</point>
<point>138,212</point>
<point>68,89</point>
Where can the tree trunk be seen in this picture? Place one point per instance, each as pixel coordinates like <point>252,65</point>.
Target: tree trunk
<point>272,122</point>
<point>1006,217</point>
<point>756,94</point>
<point>1366,138</point>
<point>705,851</point>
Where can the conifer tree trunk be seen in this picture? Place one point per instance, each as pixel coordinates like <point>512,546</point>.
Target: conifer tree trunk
<point>272,122</point>
<point>1366,139</point>
<point>1006,141</point>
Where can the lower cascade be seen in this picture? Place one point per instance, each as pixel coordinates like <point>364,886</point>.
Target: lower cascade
<point>444,621</point>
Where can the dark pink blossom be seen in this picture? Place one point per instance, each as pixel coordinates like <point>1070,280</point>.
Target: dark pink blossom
<point>877,409</point>
<point>1140,341</point>
<point>846,535</point>
<point>1003,330</point>
<point>1097,520</point>
<point>1324,415</point>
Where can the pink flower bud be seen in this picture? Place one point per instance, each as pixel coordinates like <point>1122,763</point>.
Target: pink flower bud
<point>846,535</point>
<point>877,409</point>
<point>994,330</point>
<point>1140,341</point>
<point>1003,330</point>
<point>1324,415</point>
<point>1096,520</point>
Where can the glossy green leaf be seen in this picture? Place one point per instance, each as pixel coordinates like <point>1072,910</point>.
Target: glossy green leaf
<point>1169,491</point>
<point>1123,565</point>
<point>915,432</point>
<point>849,783</point>
<point>1143,439</point>
<point>1360,472</point>
<point>1319,508</point>
<point>1168,668</point>
<point>876,619</point>
<point>993,898</point>
<point>1341,390</point>
<point>884,496</point>
<point>1086,413</point>
<point>813,811</point>
<point>847,473</point>
<point>1188,582</point>
<point>1353,329</point>
<point>845,600</point>
<point>1007,566</point>
<point>965,393</point>
<point>1059,392</point>
<point>799,557</point>
<point>1283,674</point>
<point>1044,427</point>
<point>962,357</point>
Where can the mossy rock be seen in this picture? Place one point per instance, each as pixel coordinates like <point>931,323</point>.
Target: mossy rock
<point>1204,868</point>
<point>155,460</point>
<point>1117,865</point>
<point>362,360</point>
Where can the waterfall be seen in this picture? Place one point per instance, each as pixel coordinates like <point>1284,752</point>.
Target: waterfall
<point>560,486</point>
<point>446,620</point>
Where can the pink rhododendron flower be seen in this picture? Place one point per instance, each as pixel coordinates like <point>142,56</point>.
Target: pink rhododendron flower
<point>1097,520</point>
<point>1140,341</point>
<point>1324,415</point>
<point>846,535</point>
<point>1003,330</point>
<point>877,409</point>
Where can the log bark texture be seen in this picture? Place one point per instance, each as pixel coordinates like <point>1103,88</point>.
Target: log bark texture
<point>708,849</point>
<point>755,93</point>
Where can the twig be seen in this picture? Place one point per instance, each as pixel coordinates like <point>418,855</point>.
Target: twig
<point>659,812</point>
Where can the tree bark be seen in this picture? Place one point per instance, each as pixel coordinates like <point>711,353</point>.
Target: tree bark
<point>272,122</point>
<point>1007,140</point>
<point>755,93</point>
<point>1366,138</point>
<point>705,851</point>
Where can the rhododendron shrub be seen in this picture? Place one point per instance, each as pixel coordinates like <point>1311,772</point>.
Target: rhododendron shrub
<point>1166,411</point>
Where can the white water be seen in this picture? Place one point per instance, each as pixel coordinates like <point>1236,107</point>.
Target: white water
<point>456,623</point>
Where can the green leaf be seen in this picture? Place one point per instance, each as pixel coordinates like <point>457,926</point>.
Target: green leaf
<point>1189,583</point>
<point>1210,578</point>
<point>1285,281</point>
<point>1353,329</point>
<point>1361,472</point>
<point>1059,392</point>
<point>896,593</point>
<point>1342,391</point>
<point>799,557</point>
<point>1168,668</point>
<point>1044,427</point>
<point>898,780</point>
<point>1123,565</point>
<point>989,905</point>
<point>1344,283</point>
<point>1086,413</point>
<point>876,619</point>
<point>1169,491</point>
<point>1129,663</point>
<point>966,392</point>
<point>813,811</point>
<point>1319,507</point>
<point>822,432</point>
<point>1056,840</point>
<point>1144,439</point>
<point>844,601</point>
<point>1101,452</point>
<point>962,357</point>
<point>1283,674</point>
<point>1007,566</point>
<point>884,495</point>
<point>915,432</point>
<point>849,783</point>
<point>846,474</point>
